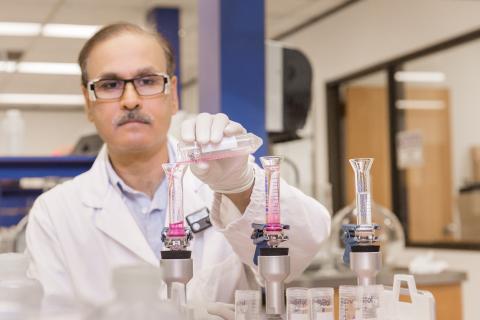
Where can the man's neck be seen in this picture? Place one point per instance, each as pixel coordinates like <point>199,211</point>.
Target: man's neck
<point>141,171</point>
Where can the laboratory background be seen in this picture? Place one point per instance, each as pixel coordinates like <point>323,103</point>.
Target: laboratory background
<point>320,82</point>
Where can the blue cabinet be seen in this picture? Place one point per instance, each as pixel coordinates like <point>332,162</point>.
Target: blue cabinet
<point>15,201</point>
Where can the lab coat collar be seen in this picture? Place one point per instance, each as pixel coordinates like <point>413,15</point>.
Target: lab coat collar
<point>95,182</point>
<point>113,217</point>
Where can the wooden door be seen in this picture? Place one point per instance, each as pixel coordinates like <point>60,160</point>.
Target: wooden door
<point>367,136</point>
<point>429,186</point>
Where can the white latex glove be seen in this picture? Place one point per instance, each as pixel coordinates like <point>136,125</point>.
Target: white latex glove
<point>213,311</point>
<point>230,175</point>
<point>223,310</point>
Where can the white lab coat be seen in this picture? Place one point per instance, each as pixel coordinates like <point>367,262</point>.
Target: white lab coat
<point>79,231</point>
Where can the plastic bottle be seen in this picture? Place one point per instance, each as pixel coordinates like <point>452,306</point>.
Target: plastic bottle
<point>13,132</point>
<point>137,296</point>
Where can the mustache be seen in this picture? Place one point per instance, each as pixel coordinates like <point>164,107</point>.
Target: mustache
<point>132,116</point>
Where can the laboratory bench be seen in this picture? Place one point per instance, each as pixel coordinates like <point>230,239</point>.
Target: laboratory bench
<point>446,287</point>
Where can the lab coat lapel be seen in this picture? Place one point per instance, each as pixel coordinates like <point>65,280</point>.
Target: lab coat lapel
<point>111,214</point>
<point>115,220</point>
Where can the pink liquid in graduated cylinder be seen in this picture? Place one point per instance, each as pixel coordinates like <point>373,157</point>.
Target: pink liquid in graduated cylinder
<point>176,230</point>
<point>273,199</point>
<point>174,173</point>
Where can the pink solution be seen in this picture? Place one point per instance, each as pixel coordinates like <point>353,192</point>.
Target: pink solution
<point>174,173</point>
<point>272,193</point>
<point>216,156</point>
<point>273,218</point>
<point>176,230</point>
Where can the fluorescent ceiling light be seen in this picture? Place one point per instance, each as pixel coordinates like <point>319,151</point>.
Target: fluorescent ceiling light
<point>69,31</point>
<point>7,66</point>
<point>20,29</point>
<point>28,29</point>
<point>419,76</point>
<point>48,68</point>
<point>42,99</point>
<point>420,104</point>
<point>40,67</point>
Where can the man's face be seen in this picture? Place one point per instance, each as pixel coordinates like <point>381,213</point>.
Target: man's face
<point>128,56</point>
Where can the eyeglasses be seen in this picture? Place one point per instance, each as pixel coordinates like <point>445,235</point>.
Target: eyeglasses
<point>113,89</point>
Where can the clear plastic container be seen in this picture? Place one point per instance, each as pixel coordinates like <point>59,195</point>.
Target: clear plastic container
<point>247,305</point>
<point>297,304</point>
<point>137,290</point>
<point>229,147</point>
<point>348,305</point>
<point>19,295</point>
<point>321,303</point>
<point>369,301</point>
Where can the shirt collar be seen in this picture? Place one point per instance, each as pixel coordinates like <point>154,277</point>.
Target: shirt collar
<point>120,185</point>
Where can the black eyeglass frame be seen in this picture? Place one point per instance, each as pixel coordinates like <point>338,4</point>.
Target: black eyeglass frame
<point>93,97</point>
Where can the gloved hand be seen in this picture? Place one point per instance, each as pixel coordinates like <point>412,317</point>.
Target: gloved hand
<point>213,311</point>
<point>230,175</point>
<point>223,310</point>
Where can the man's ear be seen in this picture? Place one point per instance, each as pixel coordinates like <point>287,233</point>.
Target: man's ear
<point>88,104</point>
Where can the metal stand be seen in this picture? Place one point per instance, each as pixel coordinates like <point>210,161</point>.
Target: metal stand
<point>177,266</point>
<point>274,267</point>
<point>366,266</point>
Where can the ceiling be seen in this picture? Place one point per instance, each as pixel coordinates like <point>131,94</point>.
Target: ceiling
<point>281,15</point>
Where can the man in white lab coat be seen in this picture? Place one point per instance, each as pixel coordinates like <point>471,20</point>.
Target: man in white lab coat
<point>113,214</point>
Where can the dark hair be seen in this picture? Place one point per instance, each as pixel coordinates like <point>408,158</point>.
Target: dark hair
<point>113,30</point>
